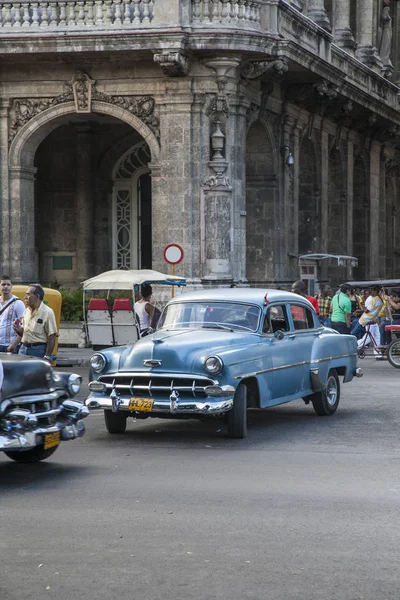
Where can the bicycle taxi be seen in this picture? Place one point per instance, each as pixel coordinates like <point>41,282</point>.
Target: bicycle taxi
<point>392,351</point>
<point>110,319</point>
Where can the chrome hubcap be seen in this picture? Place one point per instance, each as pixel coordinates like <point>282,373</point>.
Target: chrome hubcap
<point>331,391</point>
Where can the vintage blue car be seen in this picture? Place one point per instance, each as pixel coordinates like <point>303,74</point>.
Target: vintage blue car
<point>219,352</point>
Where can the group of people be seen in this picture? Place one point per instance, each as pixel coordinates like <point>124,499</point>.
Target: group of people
<point>350,312</point>
<point>29,328</point>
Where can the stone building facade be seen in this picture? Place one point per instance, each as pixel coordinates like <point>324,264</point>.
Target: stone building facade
<point>247,131</point>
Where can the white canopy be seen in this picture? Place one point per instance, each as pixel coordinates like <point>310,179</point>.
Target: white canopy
<point>125,280</point>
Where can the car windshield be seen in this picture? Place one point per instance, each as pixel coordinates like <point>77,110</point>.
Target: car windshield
<point>231,316</point>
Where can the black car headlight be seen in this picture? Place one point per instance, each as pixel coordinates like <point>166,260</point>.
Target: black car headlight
<point>213,365</point>
<point>97,362</point>
<point>74,384</point>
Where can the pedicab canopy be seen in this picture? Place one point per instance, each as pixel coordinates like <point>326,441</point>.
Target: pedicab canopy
<point>126,280</point>
<point>340,260</point>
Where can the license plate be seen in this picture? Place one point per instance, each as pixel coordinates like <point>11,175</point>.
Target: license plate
<point>141,404</point>
<point>51,440</point>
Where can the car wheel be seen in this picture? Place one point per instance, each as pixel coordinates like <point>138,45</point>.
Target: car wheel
<point>237,417</point>
<point>325,403</point>
<point>30,456</point>
<point>393,354</point>
<point>115,422</point>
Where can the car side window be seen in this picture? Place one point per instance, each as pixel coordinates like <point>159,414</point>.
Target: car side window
<point>275,319</point>
<point>302,317</point>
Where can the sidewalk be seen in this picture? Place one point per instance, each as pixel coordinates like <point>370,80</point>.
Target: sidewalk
<point>73,357</point>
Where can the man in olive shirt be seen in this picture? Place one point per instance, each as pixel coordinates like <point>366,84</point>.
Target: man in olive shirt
<point>39,328</point>
<point>341,310</point>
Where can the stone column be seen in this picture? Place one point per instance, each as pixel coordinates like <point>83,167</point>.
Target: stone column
<point>294,246</point>
<point>316,12</point>
<point>350,196</point>
<point>4,191</point>
<point>236,140</point>
<point>324,165</point>
<point>84,203</point>
<point>343,36</point>
<point>173,213</point>
<point>22,261</point>
<point>374,184</point>
<point>284,226</point>
<point>366,51</point>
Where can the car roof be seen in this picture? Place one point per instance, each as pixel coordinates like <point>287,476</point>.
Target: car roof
<point>249,295</point>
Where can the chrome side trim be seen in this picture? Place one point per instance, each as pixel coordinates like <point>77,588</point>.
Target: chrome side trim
<point>299,364</point>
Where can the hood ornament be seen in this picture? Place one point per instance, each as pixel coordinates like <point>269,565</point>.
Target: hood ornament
<point>152,362</point>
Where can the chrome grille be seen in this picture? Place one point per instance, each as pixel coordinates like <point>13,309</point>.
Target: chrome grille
<point>145,385</point>
<point>45,411</point>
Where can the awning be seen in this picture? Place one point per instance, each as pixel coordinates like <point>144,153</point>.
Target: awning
<point>125,280</point>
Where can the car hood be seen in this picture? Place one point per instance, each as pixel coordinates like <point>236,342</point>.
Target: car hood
<point>177,350</point>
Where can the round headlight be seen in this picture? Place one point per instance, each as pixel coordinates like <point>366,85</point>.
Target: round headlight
<point>74,384</point>
<point>97,362</point>
<point>213,365</point>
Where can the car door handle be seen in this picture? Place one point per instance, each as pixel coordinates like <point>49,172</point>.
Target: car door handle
<point>292,337</point>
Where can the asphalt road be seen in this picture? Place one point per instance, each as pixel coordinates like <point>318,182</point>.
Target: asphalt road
<point>305,508</point>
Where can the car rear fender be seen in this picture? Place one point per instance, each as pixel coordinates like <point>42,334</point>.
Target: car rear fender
<point>332,351</point>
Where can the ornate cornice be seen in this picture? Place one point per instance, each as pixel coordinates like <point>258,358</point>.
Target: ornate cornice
<point>82,91</point>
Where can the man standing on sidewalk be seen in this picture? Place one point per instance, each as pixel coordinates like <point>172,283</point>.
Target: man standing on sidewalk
<point>11,308</point>
<point>39,328</point>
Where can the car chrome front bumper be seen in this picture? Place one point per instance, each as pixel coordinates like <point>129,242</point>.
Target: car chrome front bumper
<point>173,405</point>
<point>20,429</point>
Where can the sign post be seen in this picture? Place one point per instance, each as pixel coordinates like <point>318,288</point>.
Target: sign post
<point>173,255</point>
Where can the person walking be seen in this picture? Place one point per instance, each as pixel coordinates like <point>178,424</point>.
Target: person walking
<point>324,305</point>
<point>38,329</point>
<point>11,309</point>
<point>341,310</point>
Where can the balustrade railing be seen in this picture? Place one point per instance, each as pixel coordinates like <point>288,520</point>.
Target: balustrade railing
<point>226,12</point>
<point>56,14</point>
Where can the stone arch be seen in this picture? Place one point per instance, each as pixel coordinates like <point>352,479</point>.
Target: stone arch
<point>261,201</point>
<point>24,145</point>
<point>361,216</point>
<point>309,191</point>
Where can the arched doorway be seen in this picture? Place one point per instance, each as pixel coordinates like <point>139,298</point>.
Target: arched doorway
<point>131,200</point>
<point>261,189</point>
<point>69,232</point>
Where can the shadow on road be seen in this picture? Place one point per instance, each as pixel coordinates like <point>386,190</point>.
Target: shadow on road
<point>39,476</point>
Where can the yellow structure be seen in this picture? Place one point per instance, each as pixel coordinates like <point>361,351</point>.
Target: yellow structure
<point>52,298</point>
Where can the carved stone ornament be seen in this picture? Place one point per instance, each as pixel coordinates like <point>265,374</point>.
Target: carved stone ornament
<point>217,104</point>
<point>82,85</point>
<point>217,182</point>
<point>173,64</point>
<point>81,90</point>
<point>276,68</point>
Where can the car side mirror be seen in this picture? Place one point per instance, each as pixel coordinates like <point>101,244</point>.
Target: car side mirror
<point>279,335</point>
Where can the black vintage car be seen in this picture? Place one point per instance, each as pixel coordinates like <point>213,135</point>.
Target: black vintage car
<point>37,409</point>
